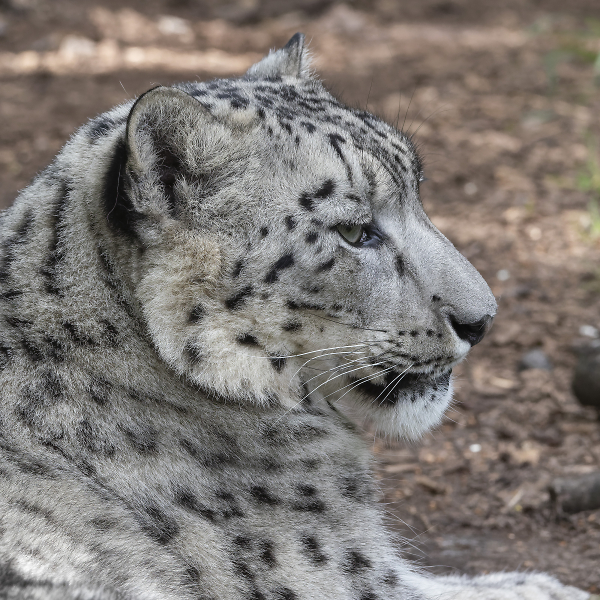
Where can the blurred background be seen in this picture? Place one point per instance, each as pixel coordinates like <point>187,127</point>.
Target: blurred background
<point>503,99</point>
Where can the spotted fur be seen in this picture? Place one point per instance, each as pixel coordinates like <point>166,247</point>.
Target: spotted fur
<point>180,316</point>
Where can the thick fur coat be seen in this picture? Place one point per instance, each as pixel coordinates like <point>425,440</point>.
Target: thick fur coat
<point>186,293</point>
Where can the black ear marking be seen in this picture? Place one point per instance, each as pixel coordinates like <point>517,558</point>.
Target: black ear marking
<point>167,168</point>
<point>120,212</point>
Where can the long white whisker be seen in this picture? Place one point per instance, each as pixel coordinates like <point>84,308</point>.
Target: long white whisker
<point>313,351</point>
<point>337,368</point>
<point>393,384</point>
<point>309,393</point>
<point>354,384</point>
<point>340,375</point>
<point>328,354</point>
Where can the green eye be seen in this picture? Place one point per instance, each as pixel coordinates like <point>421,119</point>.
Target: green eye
<point>351,233</point>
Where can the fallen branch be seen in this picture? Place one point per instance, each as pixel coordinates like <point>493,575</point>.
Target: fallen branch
<point>572,495</point>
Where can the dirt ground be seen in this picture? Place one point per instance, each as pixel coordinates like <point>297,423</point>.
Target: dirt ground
<point>503,100</point>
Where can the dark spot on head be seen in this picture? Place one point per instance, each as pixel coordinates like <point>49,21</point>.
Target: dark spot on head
<point>435,298</point>
<point>311,237</point>
<point>103,523</point>
<point>247,339</point>
<point>11,294</point>
<point>414,333</point>
<point>326,189</point>
<point>310,504</point>
<point>112,333</point>
<point>278,363</point>
<point>32,351</point>
<point>311,464</point>
<point>230,506</point>
<point>264,231</point>
<point>99,391</point>
<point>290,222</point>
<point>285,262</point>
<point>400,266</point>
<point>237,300</point>
<point>354,561</point>
<point>312,550</point>
<point>243,541</point>
<point>369,596</point>
<point>307,202</point>
<point>241,568</point>
<point>262,496</point>
<point>237,269</point>
<point>327,266</point>
<point>430,332</point>
<point>5,355</point>
<point>193,352</point>
<point>18,323</point>
<point>292,326</point>
<point>197,313</point>
<point>390,578</point>
<point>266,553</point>
<point>78,336</point>
<point>307,490</point>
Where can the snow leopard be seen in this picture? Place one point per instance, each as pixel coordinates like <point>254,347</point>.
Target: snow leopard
<point>188,291</point>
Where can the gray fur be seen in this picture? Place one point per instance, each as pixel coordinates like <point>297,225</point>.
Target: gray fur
<point>169,284</point>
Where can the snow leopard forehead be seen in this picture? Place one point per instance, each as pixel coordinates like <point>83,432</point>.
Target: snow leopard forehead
<point>292,108</point>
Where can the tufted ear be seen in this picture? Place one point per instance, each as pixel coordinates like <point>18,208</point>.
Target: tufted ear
<point>292,61</point>
<point>158,129</point>
<point>171,141</point>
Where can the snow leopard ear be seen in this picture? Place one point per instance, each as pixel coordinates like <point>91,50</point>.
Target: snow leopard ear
<point>176,154</point>
<point>170,138</point>
<point>158,128</point>
<point>290,61</point>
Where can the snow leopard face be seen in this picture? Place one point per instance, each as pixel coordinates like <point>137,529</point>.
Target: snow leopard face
<point>279,248</point>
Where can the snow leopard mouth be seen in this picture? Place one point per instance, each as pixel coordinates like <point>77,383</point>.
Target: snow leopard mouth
<point>409,386</point>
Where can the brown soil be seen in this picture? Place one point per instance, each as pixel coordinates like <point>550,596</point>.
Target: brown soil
<point>502,100</point>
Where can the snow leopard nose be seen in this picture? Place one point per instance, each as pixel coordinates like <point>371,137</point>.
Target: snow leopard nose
<point>472,332</point>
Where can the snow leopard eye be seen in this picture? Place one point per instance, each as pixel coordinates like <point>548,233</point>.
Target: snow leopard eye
<point>352,233</point>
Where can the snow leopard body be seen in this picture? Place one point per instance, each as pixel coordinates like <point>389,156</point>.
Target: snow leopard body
<point>187,291</point>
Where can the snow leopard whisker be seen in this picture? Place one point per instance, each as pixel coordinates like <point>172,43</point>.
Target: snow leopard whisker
<point>393,385</point>
<point>330,354</point>
<point>309,393</point>
<point>363,344</point>
<point>340,375</point>
<point>351,325</point>
<point>338,367</point>
<point>357,383</point>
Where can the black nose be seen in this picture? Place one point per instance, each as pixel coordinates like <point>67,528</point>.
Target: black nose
<point>472,332</point>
